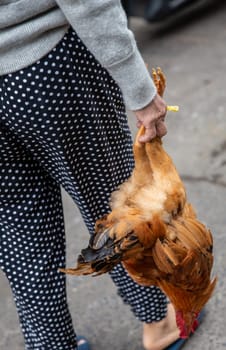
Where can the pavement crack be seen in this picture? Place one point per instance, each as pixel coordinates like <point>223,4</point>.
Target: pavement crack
<point>215,180</point>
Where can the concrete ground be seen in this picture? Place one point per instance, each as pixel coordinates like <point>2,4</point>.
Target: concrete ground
<point>193,55</point>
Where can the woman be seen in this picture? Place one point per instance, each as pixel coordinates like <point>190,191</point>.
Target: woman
<point>67,70</point>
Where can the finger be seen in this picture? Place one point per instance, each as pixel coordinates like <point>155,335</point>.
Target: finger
<point>138,124</point>
<point>161,129</point>
<point>162,112</point>
<point>148,135</point>
<point>161,120</point>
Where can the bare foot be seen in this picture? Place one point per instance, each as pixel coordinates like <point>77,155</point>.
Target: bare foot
<point>159,335</point>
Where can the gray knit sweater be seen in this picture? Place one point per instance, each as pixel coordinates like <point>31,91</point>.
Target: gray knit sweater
<point>29,29</point>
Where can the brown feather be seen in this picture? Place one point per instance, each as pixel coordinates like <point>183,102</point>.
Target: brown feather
<point>154,232</point>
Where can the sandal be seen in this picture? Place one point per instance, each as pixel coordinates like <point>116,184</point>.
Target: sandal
<point>82,343</point>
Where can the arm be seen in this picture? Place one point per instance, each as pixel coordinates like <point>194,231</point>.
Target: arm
<point>102,25</point>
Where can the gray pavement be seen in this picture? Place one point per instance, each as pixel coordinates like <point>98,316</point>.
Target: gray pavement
<point>193,56</point>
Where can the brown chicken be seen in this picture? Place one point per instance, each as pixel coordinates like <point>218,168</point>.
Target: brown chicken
<point>154,232</point>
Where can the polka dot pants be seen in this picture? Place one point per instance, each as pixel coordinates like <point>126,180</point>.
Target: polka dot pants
<point>62,123</point>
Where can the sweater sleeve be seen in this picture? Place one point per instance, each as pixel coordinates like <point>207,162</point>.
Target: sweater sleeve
<point>102,26</point>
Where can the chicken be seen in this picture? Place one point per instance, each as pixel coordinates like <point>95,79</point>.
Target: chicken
<point>155,233</point>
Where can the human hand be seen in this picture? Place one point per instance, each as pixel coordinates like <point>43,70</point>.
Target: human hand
<point>152,117</point>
